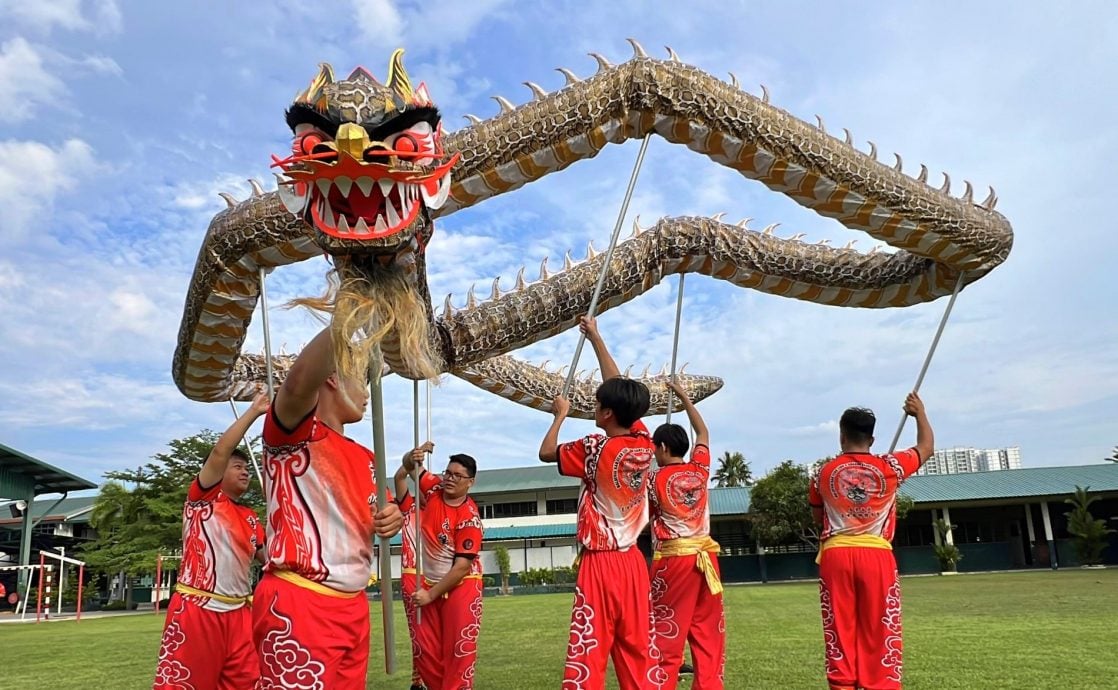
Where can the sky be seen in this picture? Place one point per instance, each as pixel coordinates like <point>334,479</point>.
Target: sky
<point>120,122</point>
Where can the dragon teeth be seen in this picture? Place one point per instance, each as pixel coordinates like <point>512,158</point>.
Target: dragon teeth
<point>323,186</point>
<point>381,226</point>
<point>365,184</point>
<point>390,209</point>
<point>361,228</point>
<point>386,185</point>
<point>343,224</point>
<point>344,185</point>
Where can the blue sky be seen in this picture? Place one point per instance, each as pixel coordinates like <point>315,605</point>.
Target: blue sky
<point>121,121</point>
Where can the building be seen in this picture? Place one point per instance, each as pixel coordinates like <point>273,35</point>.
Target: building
<point>961,460</point>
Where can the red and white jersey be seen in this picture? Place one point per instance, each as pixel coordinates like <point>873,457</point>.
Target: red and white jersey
<point>407,533</point>
<point>448,531</point>
<point>321,495</point>
<point>219,541</point>
<point>679,499</point>
<point>858,492</point>
<point>613,501</point>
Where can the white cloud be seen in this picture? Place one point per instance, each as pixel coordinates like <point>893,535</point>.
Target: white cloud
<point>379,21</point>
<point>24,82</point>
<point>98,16</point>
<point>422,26</point>
<point>32,176</point>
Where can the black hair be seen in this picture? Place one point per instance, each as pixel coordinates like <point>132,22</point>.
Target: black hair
<point>627,399</point>
<point>857,425</point>
<point>242,454</point>
<point>674,437</point>
<point>466,461</point>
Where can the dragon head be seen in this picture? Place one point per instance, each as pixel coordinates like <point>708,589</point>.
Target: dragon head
<point>367,162</point>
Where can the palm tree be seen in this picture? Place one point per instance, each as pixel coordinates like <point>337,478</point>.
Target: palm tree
<point>115,508</point>
<point>1113,456</point>
<point>733,470</point>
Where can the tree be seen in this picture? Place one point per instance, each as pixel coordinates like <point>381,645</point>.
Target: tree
<point>136,525</point>
<point>733,470</point>
<point>948,555</point>
<point>504,565</point>
<point>1088,534</point>
<point>1113,456</point>
<point>778,506</point>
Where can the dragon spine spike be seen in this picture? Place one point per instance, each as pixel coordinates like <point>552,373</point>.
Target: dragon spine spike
<point>545,363</point>
<point>257,190</point>
<point>679,372</point>
<point>672,54</point>
<point>990,200</point>
<point>579,374</point>
<point>228,198</point>
<point>627,372</point>
<point>471,299</point>
<point>603,64</point>
<point>520,282</point>
<point>743,223</point>
<point>506,106</point>
<point>923,176</point>
<point>968,192</point>
<point>798,237</point>
<point>734,81</point>
<point>567,262</point>
<point>474,119</point>
<point>899,167</point>
<point>873,150</point>
<point>850,244</point>
<point>544,273</point>
<point>764,94</point>
<point>495,293</point>
<point>593,373</point>
<point>849,138</point>
<point>637,229</point>
<point>820,125</point>
<point>563,370</point>
<point>823,242</point>
<point>590,253</point>
<point>718,216</point>
<point>946,188</point>
<point>448,304</point>
<point>644,374</point>
<point>638,49</point>
<point>770,228</point>
<point>568,75</point>
<point>537,91</point>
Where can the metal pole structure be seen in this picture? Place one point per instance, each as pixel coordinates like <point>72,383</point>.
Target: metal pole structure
<point>418,512</point>
<point>675,341</point>
<point>61,579</point>
<point>928,359</point>
<point>39,594</point>
<point>376,395</point>
<point>81,578</point>
<point>267,333</point>
<point>251,455</point>
<point>605,266</point>
<point>159,578</point>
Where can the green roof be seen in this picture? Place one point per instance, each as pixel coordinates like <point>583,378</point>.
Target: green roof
<point>69,510</point>
<point>536,478</point>
<point>17,467</point>
<point>729,500</point>
<point>1023,483</point>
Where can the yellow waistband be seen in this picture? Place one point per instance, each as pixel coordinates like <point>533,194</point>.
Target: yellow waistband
<point>300,581</point>
<point>195,592</point>
<point>867,541</point>
<point>701,548</point>
<point>408,571</point>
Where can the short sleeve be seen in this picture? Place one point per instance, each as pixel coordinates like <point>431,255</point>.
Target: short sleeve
<point>813,496</point>
<point>197,493</point>
<point>572,456</point>
<point>467,536</point>
<point>406,503</point>
<point>276,435</point>
<point>700,456</point>
<point>428,481</point>
<point>639,429</point>
<point>909,462</point>
<point>259,526</point>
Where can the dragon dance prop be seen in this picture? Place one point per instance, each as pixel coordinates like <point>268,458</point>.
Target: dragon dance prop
<point>372,168</point>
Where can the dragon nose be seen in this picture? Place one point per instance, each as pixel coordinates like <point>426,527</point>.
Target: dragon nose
<point>352,140</point>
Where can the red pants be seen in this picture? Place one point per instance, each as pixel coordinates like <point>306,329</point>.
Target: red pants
<point>310,640</point>
<point>610,618</point>
<point>684,610</point>
<point>407,589</point>
<point>203,649</point>
<point>447,636</point>
<point>860,597</point>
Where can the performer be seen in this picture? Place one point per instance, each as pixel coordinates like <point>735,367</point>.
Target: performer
<point>854,497</point>
<point>686,586</point>
<point>408,565</point>
<point>611,607</point>
<point>207,637</point>
<point>451,587</point>
<point>311,619</point>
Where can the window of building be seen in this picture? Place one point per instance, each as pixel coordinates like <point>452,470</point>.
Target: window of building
<point>519,509</point>
<point>562,506</point>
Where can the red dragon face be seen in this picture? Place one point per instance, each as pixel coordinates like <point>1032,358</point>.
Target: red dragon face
<point>367,161</point>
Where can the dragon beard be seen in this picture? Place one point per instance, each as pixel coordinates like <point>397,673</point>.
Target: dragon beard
<point>369,305</point>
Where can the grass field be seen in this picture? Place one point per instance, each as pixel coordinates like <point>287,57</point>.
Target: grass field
<point>1021,630</point>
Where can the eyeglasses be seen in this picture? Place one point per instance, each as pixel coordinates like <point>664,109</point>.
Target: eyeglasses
<point>454,476</point>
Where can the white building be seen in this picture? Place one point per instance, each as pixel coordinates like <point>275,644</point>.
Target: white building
<point>960,460</point>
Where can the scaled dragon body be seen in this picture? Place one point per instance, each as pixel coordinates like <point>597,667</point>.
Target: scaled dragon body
<point>372,168</point>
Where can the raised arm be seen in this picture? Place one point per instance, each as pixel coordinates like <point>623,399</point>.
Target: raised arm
<point>549,447</point>
<point>299,393</point>
<point>412,459</point>
<point>702,436</point>
<point>925,439</point>
<point>589,326</point>
<point>214,468</point>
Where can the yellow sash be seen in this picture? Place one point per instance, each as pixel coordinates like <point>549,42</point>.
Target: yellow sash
<point>868,541</point>
<point>701,547</point>
<point>195,592</point>
<point>300,581</point>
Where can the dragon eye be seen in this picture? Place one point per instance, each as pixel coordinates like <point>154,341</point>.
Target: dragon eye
<point>406,143</point>
<point>304,145</point>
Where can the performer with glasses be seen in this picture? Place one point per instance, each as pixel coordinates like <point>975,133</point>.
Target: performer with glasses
<point>450,592</point>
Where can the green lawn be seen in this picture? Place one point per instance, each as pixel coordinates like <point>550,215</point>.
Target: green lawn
<point>1022,630</point>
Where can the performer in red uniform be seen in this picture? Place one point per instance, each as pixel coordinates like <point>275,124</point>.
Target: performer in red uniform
<point>611,607</point>
<point>207,638</point>
<point>450,592</point>
<point>408,568</point>
<point>855,497</point>
<point>311,617</point>
<point>686,586</point>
